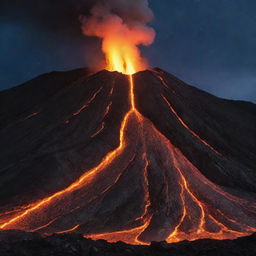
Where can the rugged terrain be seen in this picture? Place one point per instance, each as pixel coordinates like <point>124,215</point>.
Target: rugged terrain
<point>29,244</point>
<point>138,159</point>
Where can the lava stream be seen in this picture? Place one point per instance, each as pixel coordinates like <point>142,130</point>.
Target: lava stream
<point>108,158</point>
<point>186,126</point>
<point>193,206</point>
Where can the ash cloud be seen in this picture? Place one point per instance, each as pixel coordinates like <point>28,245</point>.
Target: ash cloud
<point>120,22</point>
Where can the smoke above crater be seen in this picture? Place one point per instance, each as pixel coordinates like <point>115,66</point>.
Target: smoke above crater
<point>123,27</point>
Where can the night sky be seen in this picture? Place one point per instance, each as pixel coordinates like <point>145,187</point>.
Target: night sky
<point>207,43</point>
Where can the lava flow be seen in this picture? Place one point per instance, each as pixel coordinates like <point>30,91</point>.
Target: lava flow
<point>174,201</point>
<point>143,188</point>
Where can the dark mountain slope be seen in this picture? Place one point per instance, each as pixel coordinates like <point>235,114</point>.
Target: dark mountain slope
<point>151,159</point>
<point>228,126</point>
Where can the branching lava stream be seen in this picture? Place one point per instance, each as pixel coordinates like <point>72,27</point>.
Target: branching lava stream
<point>194,207</point>
<point>137,186</point>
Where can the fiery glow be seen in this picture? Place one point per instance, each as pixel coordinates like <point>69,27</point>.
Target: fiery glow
<point>68,230</point>
<point>175,201</point>
<point>120,60</point>
<point>129,236</point>
<point>89,174</point>
<point>186,126</point>
<point>87,103</point>
<point>228,217</point>
<point>120,38</point>
<point>120,46</point>
<point>121,53</point>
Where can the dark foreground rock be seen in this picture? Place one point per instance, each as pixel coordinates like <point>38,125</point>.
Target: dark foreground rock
<point>16,243</point>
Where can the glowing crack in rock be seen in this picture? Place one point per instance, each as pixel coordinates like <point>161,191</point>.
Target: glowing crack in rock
<point>193,208</point>
<point>141,177</point>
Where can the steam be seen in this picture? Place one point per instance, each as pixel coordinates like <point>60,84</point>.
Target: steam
<point>122,26</point>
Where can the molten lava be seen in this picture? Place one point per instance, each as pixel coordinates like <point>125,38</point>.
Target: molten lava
<point>193,207</point>
<point>121,51</point>
<point>120,48</point>
<point>137,186</point>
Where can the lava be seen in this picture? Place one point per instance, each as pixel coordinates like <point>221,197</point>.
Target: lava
<point>186,126</point>
<point>68,230</point>
<point>129,236</point>
<point>121,36</point>
<point>87,103</point>
<point>197,219</point>
<point>109,157</point>
<point>144,189</point>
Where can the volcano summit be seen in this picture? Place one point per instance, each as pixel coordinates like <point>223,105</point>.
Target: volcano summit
<point>137,158</point>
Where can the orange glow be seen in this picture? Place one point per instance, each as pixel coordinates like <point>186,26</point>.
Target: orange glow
<point>84,178</point>
<point>118,60</point>
<point>146,186</point>
<point>120,41</point>
<point>193,208</point>
<point>44,226</point>
<point>129,236</point>
<point>68,230</point>
<point>87,103</point>
<point>87,175</point>
<point>186,126</point>
<point>132,100</point>
<point>120,48</point>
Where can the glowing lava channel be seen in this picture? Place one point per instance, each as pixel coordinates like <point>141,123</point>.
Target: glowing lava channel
<point>89,174</point>
<point>186,126</point>
<point>120,43</point>
<point>132,235</point>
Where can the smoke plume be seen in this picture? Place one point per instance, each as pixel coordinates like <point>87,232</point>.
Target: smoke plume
<point>122,26</point>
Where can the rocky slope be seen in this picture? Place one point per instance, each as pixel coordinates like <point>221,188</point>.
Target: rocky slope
<point>139,159</point>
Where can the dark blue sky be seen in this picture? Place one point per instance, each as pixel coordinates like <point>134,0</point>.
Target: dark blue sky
<point>208,43</point>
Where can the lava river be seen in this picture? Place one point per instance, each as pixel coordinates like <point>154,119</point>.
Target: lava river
<point>143,190</point>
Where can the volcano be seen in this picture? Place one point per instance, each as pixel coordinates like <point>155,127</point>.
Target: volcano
<point>136,158</point>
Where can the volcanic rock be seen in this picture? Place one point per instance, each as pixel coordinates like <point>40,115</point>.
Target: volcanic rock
<point>137,159</point>
<point>76,245</point>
